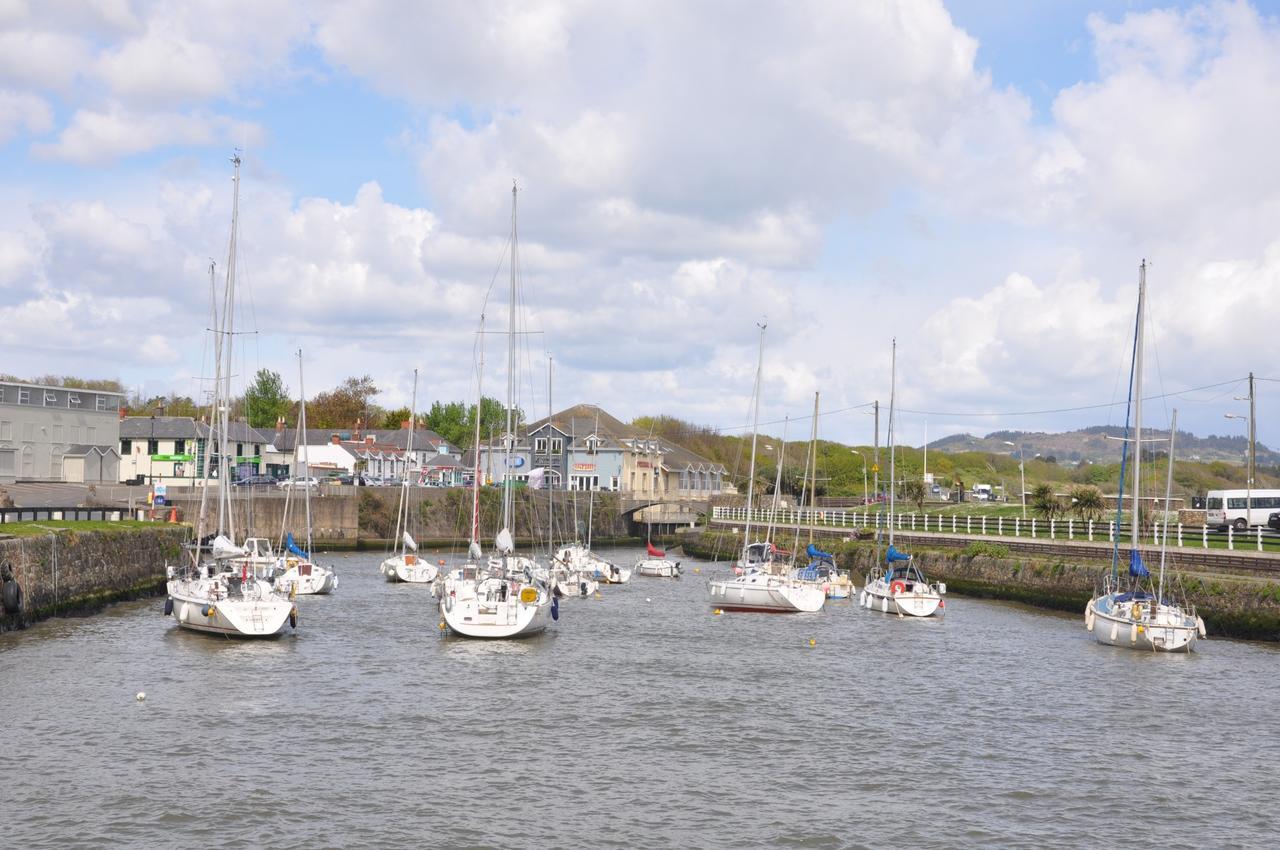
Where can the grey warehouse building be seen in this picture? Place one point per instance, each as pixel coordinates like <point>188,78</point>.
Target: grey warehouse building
<point>58,434</point>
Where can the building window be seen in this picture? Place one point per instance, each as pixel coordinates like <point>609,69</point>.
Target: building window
<point>57,433</point>
<point>24,396</point>
<point>540,445</point>
<point>126,447</point>
<point>1,393</point>
<point>557,445</point>
<point>90,434</point>
<point>101,403</point>
<point>6,430</point>
<point>75,433</point>
<point>50,398</point>
<point>73,400</point>
<point>179,447</point>
<point>153,447</point>
<point>28,431</point>
<point>613,483</point>
<point>239,449</point>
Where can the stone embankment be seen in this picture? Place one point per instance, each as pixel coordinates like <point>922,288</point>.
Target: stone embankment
<point>67,573</point>
<point>1238,606</point>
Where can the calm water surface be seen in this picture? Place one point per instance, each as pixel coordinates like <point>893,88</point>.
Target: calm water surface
<point>639,720</point>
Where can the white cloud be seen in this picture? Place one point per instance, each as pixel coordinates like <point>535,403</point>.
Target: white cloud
<point>22,112</point>
<point>95,137</point>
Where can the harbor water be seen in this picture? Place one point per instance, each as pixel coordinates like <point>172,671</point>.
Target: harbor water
<point>640,719</point>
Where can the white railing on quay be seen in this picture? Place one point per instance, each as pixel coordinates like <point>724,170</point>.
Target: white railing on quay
<point>1179,536</point>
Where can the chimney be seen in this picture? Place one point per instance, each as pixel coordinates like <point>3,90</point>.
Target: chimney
<point>404,426</point>
<point>279,424</point>
<point>369,440</point>
<point>356,435</point>
<point>335,439</point>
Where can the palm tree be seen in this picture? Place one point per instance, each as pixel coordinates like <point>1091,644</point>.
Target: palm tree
<point>1044,501</point>
<point>1088,503</point>
<point>912,490</point>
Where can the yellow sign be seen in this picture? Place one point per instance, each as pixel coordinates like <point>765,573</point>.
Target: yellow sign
<point>875,467</point>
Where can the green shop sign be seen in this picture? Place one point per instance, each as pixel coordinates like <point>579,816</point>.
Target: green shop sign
<point>173,458</point>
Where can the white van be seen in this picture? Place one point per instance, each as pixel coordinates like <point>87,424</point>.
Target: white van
<point>1227,507</point>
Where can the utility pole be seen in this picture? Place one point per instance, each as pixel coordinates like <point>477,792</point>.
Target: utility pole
<point>1253,435</point>
<point>876,462</point>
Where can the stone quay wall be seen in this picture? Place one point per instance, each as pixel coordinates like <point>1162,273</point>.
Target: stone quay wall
<point>74,573</point>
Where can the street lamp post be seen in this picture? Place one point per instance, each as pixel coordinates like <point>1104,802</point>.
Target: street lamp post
<point>1248,480</point>
<point>864,475</point>
<point>1022,473</point>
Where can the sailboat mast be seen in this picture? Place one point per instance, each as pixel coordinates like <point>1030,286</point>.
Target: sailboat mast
<point>755,421</point>
<point>1168,499</point>
<point>812,463</point>
<point>551,546</point>
<point>229,319</point>
<point>509,437</point>
<point>475,478</point>
<point>202,521</point>
<point>893,387</point>
<point>306,466</point>
<point>777,481</point>
<point>402,515</point>
<point>1137,406</point>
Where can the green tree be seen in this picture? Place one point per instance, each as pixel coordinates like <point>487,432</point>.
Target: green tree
<point>456,421</point>
<point>1088,503</point>
<point>912,490</point>
<point>345,405</point>
<point>1044,502</point>
<point>266,399</point>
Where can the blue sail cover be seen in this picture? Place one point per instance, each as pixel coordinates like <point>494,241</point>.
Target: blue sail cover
<point>1137,569</point>
<point>894,555</point>
<point>293,547</point>
<point>815,552</point>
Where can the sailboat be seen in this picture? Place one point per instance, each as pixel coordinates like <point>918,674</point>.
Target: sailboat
<point>656,563</point>
<point>405,565</point>
<point>898,586</point>
<point>223,595</point>
<point>821,569</point>
<point>500,598</point>
<point>297,573</point>
<point>755,589</point>
<point>1127,613</point>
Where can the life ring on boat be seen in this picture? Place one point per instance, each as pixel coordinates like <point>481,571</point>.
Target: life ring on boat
<point>898,587</point>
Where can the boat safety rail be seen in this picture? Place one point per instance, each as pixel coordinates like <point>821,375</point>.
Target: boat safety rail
<point>1071,529</point>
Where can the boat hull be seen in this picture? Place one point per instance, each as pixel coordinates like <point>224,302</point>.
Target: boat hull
<point>1166,629</point>
<point>409,569</point>
<point>199,605</point>
<point>298,580</point>
<point>765,593</point>
<point>920,601</point>
<point>476,609</point>
<point>657,568</point>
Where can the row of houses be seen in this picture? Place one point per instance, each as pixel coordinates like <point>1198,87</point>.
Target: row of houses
<point>62,434</point>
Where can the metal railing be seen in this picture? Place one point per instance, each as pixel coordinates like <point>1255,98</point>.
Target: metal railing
<point>1070,529</point>
<point>63,514</point>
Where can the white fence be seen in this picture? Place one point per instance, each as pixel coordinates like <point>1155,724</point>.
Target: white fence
<point>1071,529</point>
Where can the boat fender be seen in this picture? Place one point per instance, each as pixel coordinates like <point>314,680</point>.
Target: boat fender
<point>448,601</point>
<point>293,617</point>
<point>884,605</point>
<point>1115,630</point>
<point>1133,633</point>
<point>582,589</point>
<point>1200,626</point>
<point>168,605</point>
<point>207,610</point>
<point>942,603</point>
<point>11,593</point>
<point>555,609</point>
<point>1088,618</point>
<point>898,587</point>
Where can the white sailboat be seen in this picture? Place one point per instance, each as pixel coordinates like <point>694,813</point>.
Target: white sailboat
<point>405,564</point>
<point>1127,613</point>
<point>755,589</point>
<point>297,572</point>
<point>500,598</point>
<point>656,563</point>
<point>223,595</point>
<point>898,586</point>
<point>821,569</point>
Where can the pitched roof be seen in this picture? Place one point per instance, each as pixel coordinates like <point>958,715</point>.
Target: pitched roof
<point>157,428</point>
<point>80,450</point>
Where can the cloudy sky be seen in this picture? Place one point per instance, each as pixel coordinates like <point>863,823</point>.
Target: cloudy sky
<point>976,178</point>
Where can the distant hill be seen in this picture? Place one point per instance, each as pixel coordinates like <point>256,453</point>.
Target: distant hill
<point>1091,445</point>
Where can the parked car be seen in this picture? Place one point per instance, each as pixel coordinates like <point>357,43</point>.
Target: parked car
<point>1273,521</point>
<point>291,483</point>
<point>254,481</point>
